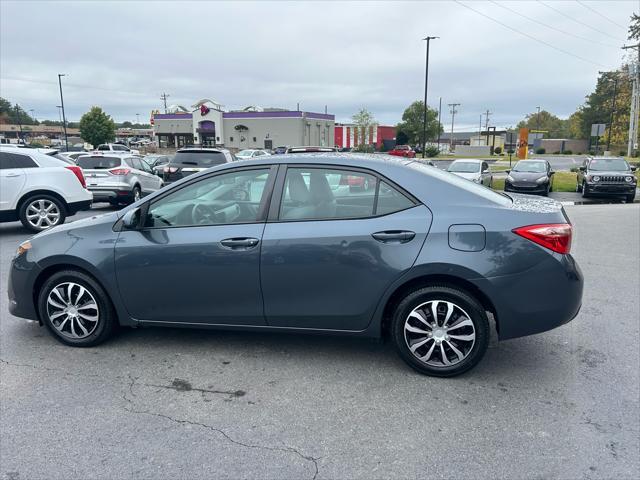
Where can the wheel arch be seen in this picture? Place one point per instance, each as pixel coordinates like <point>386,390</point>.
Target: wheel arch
<point>424,280</point>
<point>34,193</point>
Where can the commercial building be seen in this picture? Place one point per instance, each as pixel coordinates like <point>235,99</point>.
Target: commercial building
<point>208,124</point>
<point>348,136</point>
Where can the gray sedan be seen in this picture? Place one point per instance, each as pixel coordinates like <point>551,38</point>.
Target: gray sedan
<point>284,243</point>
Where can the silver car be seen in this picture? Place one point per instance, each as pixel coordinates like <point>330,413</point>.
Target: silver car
<point>477,171</point>
<point>118,178</point>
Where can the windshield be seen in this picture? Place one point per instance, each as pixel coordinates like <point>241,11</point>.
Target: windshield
<point>604,164</point>
<point>464,167</point>
<point>199,158</point>
<point>532,167</point>
<point>98,163</point>
<point>244,153</point>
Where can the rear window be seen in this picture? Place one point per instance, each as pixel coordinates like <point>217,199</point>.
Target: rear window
<point>200,159</point>
<point>98,163</point>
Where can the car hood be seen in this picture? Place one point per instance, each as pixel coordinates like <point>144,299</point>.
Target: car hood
<point>110,217</point>
<point>468,176</point>
<point>609,172</point>
<point>527,176</point>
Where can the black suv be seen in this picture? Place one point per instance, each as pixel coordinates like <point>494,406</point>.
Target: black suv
<point>194,159</point>
<point>610,176</point>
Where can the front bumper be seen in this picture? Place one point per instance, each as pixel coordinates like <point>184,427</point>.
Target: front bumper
<point>536,300</point>
<point>526,188</point>
<point>611,188</point>
<point>22,275</point>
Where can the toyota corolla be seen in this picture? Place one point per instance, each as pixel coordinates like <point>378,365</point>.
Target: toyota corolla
<point>422,257</point>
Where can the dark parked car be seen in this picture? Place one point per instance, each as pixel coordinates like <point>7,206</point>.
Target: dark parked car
<point>607,176</point>
<point>188,161</point>
<point>280,150</point>
<point>157,163</point>
<point>530,176</point>
<point>282,243</point>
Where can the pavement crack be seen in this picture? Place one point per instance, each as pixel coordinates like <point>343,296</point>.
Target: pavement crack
<point>184,386</point>
<point>130,407</point>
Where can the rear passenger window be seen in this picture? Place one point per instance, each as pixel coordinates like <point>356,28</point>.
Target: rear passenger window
<point>391,200</point>
<point>325,194</point>
<point>15,160</point>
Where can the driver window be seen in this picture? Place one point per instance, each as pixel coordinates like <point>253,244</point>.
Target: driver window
<point>220,200</point>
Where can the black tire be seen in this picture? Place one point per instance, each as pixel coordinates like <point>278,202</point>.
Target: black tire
<point>136,194</point>
<point>578,187</point>
<point>630,198</point>
<point>48,200</point>
<point>546,192</point>
<point>461,299</point>
<point>106,318</point>
<point>585,190</point>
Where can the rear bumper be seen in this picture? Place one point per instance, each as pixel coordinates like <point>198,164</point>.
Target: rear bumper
<point>537,300</point>
<point>111,194</point>
<point>75,207</point>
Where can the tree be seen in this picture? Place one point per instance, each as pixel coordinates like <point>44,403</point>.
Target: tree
<point>364,120</point>
<point>14,114</point>
<point>412,123</point>
<point>634,27</point>
<point>97,127</point>
<point>556,127</point>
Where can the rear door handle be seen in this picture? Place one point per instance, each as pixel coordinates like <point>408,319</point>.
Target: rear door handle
<point>394,236</point>
<point>13,174</point>
<point>239,243</point>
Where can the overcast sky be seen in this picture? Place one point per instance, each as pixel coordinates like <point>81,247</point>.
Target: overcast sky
<point>123,55</point>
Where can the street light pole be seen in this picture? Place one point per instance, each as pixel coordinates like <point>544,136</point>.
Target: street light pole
<point>426,84</point>
<point>64,118</point>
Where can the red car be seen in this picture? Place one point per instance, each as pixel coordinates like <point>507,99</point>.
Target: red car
<point>403,151</point>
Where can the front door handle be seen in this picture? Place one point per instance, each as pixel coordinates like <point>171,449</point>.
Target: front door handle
<point>239,243</point>
<point>13,174</point>
<point>394,236</point>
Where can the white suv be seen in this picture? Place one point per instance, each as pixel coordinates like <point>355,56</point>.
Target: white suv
<point>116,147</point>
<point>39,190</point>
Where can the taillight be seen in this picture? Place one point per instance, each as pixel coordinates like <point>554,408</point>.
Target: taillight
<point>79,175</point>
<point>119,171</point>
<point>554,236</point>
<point>170,169</point>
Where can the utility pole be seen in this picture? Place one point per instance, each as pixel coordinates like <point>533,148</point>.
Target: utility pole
<point>480,130</point>
<point>453,112</point>
<point>439,124</point>
<point>486,125</point>
<point>17,109</point>
<point>538,119</point>
<point>634,74</point>
<point>137,118</point>
<point>426,84</point>
<point>164,97</point>
<point>33,114</point>
<point>613,108</point>
<point>64,118</point>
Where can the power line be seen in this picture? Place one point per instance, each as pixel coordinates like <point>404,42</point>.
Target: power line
<point>600,14</point>
<point>576,21</point>
<point>552,27</point>
<point>75,85</point>
<point>164,97</point>
<point>529,36</point>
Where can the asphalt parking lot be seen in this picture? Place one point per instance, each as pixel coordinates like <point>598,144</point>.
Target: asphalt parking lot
<point>171,403</point>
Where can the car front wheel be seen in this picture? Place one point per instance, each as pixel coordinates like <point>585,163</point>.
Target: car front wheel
<point>42,212</point>
<point>584,190</point>
<point>76,309</point>
<point>440,330</point>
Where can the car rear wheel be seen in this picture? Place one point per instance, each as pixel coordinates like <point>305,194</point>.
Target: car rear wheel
<point>42,212</point>
<point>76,309</point>
<point>135,195</point>
<point>440,330</point>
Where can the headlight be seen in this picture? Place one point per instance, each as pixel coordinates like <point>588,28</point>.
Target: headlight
<point>629,179</point>
<point>541,180</point>
<point>23,248</point>
<point>596,178</point>
<point>509,178</point>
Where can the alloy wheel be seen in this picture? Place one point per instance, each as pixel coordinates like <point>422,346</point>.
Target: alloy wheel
<point>439,333</point>
<point>136,195</point>
<point>72,310</point>
<point>42,214</point>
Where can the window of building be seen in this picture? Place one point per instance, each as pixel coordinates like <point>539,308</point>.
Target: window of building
<point>231,139</point>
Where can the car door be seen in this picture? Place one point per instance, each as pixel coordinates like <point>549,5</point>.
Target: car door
<point>12,177</point>
<point>485,174</point>
<point>195,257</point>
<point>330,249</point>
<point>153,181</point>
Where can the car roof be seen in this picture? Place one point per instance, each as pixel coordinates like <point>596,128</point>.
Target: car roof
<point>202,149</point>
<point>472,160</point>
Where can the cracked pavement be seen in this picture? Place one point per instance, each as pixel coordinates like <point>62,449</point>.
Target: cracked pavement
<point>172,403</point>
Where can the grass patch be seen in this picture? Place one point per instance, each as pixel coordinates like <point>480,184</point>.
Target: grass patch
<point>562,182</point>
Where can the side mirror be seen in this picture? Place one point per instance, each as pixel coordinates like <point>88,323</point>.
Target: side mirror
<point>582,169</point>
<point>551,172</point>
<point>508,171</point>
<point>131,219</point>
<point>633,168</point>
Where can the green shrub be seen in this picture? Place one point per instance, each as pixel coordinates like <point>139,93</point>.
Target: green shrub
<point>622,153</point>
<point>567,152</point>
<point>36,145</point>
<point>364,148</point>
<point>431,151</point>
<point>579,153</point>
<point>540,151</point>
<point>497,150</point>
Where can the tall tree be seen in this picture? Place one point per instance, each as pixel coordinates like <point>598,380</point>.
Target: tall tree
<point>364,120</point>
<point>14,114</point>
<point>547,121</point>
<point>97,127</point>
<point>634,27</point>
<point>412,122</point>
